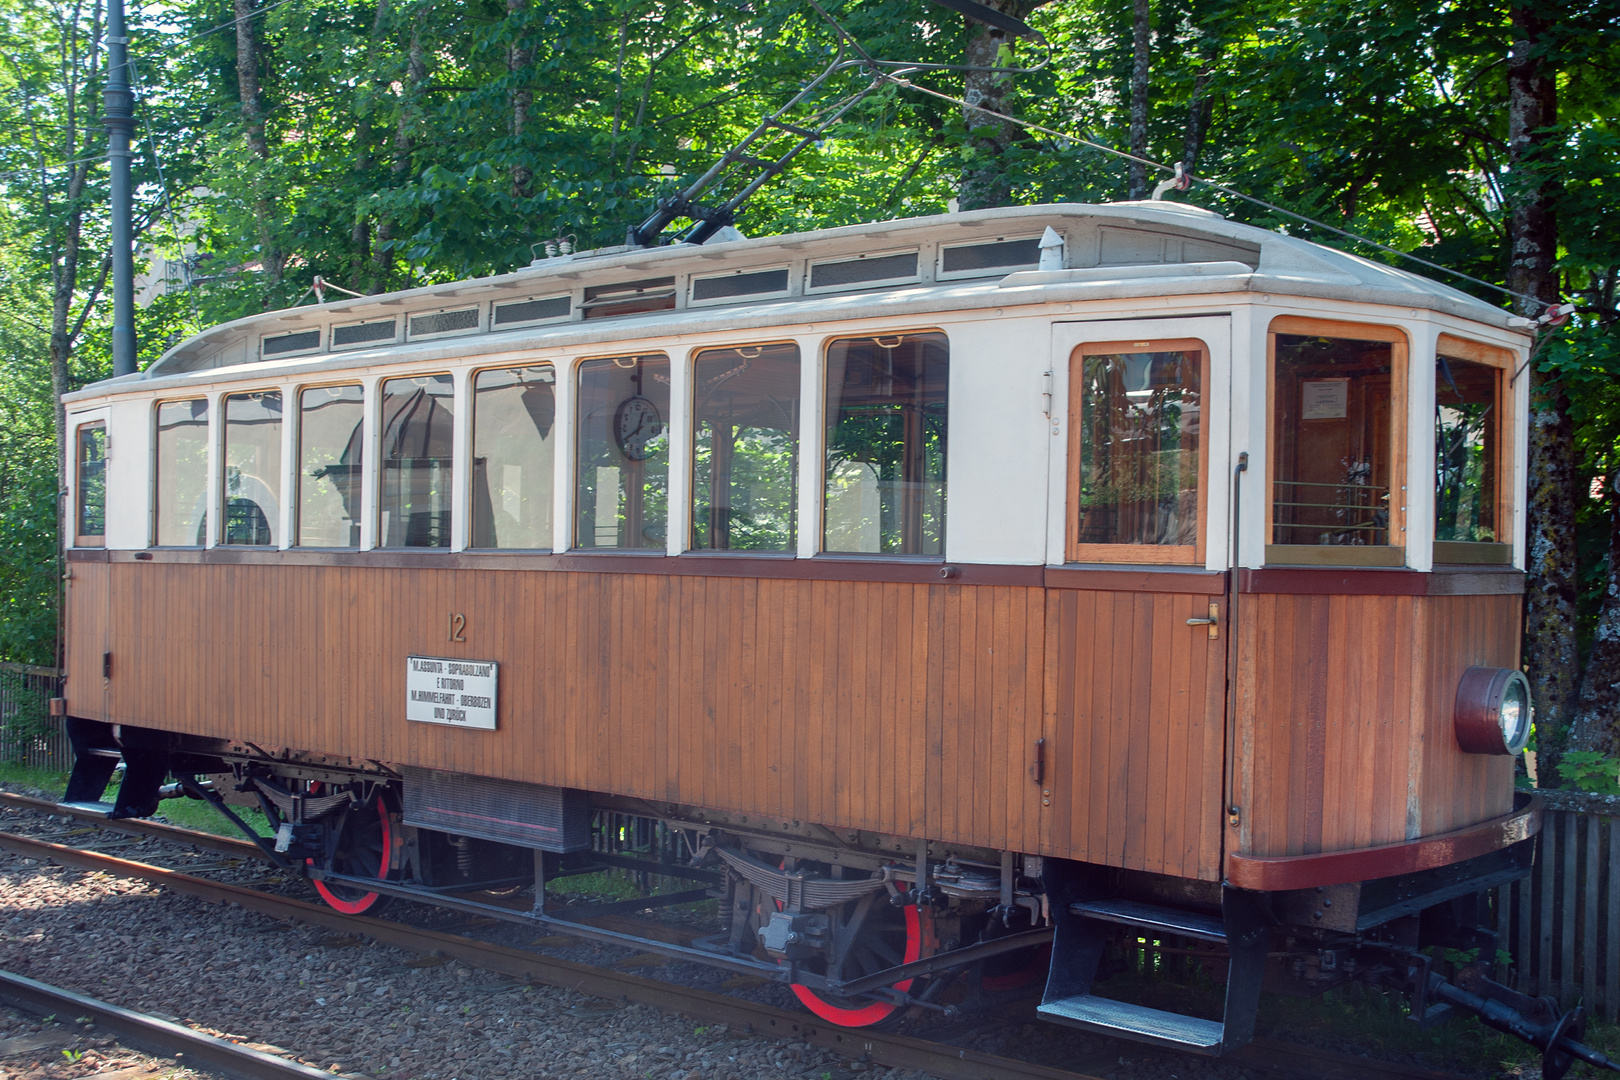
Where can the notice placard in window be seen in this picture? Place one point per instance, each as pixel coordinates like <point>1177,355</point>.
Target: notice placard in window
<point>1324,399</point>
<point>460,693</point>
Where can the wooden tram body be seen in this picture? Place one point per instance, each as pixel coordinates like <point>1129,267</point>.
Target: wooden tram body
<point>1155,583</point>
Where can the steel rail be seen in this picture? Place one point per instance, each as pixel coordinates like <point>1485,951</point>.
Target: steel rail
<point>150,1033</point>
<point>941,1060</point>
<point>135,827</point>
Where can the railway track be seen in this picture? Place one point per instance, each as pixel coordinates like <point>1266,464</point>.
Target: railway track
<point>887,1049</point>
<point>154,1034</point>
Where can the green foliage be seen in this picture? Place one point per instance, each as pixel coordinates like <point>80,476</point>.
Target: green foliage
<point>1591,771</point>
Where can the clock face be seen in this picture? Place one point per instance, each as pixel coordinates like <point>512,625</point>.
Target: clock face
<point>636,425</point>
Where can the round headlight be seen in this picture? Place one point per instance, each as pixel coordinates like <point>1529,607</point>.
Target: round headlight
<point>1492,713</point>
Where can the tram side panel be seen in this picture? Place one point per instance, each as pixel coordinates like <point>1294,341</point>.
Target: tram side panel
<point>1344,729</point>
<point>896,707</point>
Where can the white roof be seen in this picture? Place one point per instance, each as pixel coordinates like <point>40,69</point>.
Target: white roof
<point>1111,251</point>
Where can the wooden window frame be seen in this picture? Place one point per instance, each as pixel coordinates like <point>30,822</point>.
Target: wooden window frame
<point>296,416</point>
<point>1399,361</point>
<point>472,447</point>
<point>80,537</point>
<point>1172,554</point>
<point>1494,356</point>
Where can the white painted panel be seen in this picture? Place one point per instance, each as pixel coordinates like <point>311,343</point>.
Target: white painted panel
<point>129,473</point>
<point>562,518</point>
<point>812,438</point>
<point>678,529</point>
<point>996,461</point>
<point>461,465</point>
<point>1216,333</point>
<point>1419,491</point>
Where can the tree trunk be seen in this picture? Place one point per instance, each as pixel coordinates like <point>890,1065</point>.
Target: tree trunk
<point>365,135</point>
<point>517,59</point>
<point>1598,709</point>
<point>247,82</point>
<point>984,181</point>
<point>410,115</point>
<point>1199,110</point>
<point>1141,54</point>
<point>1550,648</point>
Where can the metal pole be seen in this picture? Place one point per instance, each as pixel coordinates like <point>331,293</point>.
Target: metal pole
<point>119,113</point>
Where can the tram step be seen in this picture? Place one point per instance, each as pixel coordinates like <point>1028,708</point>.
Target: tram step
<point>1166,920</point>
<point>1136,1022</point>
<point>88,807</point>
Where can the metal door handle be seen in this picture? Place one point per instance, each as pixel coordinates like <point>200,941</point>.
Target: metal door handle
<point>1213,622</point>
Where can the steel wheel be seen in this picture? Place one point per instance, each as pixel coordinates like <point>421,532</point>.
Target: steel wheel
<point>363,847</point>
<point>886,937</point>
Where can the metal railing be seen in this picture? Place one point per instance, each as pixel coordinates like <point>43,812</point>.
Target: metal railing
<point>29,735</point>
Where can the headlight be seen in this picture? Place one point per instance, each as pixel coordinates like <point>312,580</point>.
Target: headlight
<point>1492,714</point>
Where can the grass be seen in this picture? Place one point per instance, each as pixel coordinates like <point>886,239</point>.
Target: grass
<point>186,813</point>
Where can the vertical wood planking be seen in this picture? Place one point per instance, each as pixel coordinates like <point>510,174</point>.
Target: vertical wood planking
<point>1569,848</point>
<point>1589,955</point>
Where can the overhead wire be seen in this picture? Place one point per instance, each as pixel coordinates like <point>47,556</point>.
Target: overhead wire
<point>880,70</point>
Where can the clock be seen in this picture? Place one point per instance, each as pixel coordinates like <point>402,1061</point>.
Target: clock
<point>635,426</point>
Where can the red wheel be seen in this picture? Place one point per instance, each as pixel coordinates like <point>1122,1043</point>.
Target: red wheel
<point>364,848</point>
<point>889,936</point>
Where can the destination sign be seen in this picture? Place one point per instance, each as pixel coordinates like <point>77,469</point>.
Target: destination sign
<point>460,693</point>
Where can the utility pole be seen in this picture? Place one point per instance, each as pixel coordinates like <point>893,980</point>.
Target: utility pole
<point>119,112</point>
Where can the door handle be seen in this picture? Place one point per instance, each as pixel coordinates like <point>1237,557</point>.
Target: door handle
<point>1213,622</point>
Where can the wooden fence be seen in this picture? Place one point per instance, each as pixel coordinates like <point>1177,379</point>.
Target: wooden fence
<point>29,735</point>
<point>1562,923</point>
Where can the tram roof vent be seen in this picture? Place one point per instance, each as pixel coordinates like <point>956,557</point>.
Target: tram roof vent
<point>629,297</point>
<point>740,284</point>
<point>864,271</point>
<point>530,311</point>
<point>986,258</point>
<point>448,322</point>
<point>279,345</point>
<point>356,334</point>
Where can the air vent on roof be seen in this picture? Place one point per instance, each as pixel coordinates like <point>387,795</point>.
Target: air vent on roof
<point>431,324</point>
<point>536,309</point>
<point>629,297</point>
<point>865,270</point>
<point>755,283</point>
<point>287,344</point>
<point>362,333</point>
<point>998,256</point>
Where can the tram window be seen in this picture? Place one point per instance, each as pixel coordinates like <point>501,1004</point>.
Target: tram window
<point>418,414</point>
<point>1333,425</point>
<point>514,417</point>
<point>1467,447</point>
<point>1137,451</point>
<point>331,454</point>
<point>622,487</point>
<point>181,493</point>
<point>91,485</point>
<point>745,454</point>
<point>252,488</point>
<point>886,438</point>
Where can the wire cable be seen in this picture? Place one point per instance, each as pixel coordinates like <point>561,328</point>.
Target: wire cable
<point>1028,125</point>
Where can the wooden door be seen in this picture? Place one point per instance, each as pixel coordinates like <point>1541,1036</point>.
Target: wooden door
<point>1136,694</point>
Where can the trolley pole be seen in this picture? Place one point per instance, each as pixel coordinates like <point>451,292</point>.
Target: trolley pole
<point>119,112</point>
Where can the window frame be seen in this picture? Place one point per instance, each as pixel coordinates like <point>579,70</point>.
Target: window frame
<point>1493,356</point>
<point>689,546</point>
<point>222,498</point>
<point>678,361</point>
<point>817,470</point>
<point>367,390</point>
<point>80,537</point>
<point>1388,555</point>
<point>558,372</point>
<point>1140,554</point>
<point>375,471</point>
<point>211,449</point>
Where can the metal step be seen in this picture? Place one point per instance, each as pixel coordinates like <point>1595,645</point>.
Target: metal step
<point>1136,1022</point>
<point>1167,920</point>
<point>102,808</point>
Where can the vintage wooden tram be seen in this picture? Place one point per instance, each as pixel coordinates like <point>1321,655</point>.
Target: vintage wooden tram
<point>952,586</point>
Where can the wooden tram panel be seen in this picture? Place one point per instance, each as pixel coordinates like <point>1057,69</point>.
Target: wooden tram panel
<point>841,692</point>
